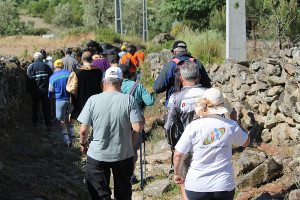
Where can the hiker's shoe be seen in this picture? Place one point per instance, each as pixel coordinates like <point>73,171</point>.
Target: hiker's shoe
<point>133,180</point>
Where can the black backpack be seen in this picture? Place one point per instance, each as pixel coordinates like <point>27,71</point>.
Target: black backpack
<point>179,62</point>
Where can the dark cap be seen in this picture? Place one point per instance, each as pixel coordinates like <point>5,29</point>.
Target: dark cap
<point>125,70</point>
<point>179,46</point>
<point>68,49</point>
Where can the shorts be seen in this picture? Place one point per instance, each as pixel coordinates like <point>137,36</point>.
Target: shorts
<point>222,195</point>
<point>63,109</point>
<point>186,163</point>
<point>135,144</point>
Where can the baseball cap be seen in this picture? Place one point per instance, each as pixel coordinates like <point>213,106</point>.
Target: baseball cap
<point>123,47</point>
<point>37,55</point>
<point>179,46</point>
<point>96,56</point>
<point>113,72</point>
<point>58,63</point>
<point>68,49</point>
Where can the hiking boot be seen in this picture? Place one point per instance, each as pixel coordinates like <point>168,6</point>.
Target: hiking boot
<point>133,180</point>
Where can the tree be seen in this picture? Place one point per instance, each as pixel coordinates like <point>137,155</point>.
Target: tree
<point>9,18</point>
<point>98,13</point>
<point>63,15</point>
<point>132,16</point>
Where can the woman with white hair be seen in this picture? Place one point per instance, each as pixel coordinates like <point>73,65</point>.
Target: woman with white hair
<point>209,138</point>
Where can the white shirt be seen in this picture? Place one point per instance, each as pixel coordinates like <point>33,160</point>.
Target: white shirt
<point>210,141</point>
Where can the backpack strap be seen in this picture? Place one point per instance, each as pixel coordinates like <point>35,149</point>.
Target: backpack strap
<point>176,60</point>
<point>133,88</point>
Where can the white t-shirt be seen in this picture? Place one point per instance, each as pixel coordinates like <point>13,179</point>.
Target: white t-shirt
<point>210,141</point>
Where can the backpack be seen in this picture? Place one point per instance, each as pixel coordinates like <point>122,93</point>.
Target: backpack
<point>128,62</point>
<point>141,104</point>
<point>178,62</point>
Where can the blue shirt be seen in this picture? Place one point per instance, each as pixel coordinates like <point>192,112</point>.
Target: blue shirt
<point>57,85</point>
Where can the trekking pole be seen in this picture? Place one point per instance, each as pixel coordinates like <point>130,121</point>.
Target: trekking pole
<point>144,155</point>
<point>141,163</point>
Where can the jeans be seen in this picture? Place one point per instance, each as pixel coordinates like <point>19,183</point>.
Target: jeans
<point>63,108</point>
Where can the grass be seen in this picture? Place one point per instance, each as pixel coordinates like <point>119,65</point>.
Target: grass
<point>207,46</point>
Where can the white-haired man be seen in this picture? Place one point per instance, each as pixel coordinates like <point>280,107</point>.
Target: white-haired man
<point>38,74</point>
<point>111,114</point>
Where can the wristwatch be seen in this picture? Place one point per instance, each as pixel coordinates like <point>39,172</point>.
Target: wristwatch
<point>83,144</point>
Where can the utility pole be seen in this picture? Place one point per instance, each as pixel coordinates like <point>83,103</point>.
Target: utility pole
<point>145,21</point>
<point>118,17</point>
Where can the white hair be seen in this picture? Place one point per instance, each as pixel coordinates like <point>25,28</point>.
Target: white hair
<point>37,55</point>
<point>189,71</point>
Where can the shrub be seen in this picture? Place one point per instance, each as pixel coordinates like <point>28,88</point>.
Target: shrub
<point>218,21</point>
<point>207,46</point>
<point>107,35</point>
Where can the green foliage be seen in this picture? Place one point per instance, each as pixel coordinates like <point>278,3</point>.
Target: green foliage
<point>181,25</point>
<point>218,21</point>
<point>207,46</point>
<point>199,11</point>
<point>49,14</point>
<point>63,15</point>
<point>37,8</point>
<point>9,18</point>
<point>36,31</point>
<point>132,17</point>
<point>107,35</point>
<point>98,13</point>
<point>25,54</point>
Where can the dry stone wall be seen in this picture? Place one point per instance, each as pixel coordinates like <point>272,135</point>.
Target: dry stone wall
<point>12,81</point>
<point>265,93</point>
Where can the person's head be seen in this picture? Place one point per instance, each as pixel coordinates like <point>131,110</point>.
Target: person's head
<point>189,73</point>
<point>37,55</point>
<point>179,47</point>
<point>113,58</point>
<point>58,64</point>
<point>68,50</point>
<point>125,71</point>
<point>87,57</point>
<point>123,48</point>
<point>44,54</point>
<point>113,78</point>
<point>131,49</point>
<point>96,56</point>
<point>212,102</point>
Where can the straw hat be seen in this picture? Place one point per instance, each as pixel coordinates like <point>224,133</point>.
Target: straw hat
<point>212,102</point>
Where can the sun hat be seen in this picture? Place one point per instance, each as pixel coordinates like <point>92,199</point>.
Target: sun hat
<point>113,72</point>
<point>96,56</point>
<point>123,48</point>
<point>179,46</point>
<point>212,102</point>
<point>37,55</point>
<point>106,48</point>
<point>58,63</point>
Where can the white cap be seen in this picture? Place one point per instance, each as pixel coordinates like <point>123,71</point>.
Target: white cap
<point>49,58</point>
<point>113,72</point>
<point>37,55</point>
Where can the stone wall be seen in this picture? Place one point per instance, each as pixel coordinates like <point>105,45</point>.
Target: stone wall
<point>265,93</point>
<point>12,82</point>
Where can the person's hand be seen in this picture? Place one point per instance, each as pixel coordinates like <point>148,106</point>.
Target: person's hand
<point>85,148</point>
<point>179,179</point>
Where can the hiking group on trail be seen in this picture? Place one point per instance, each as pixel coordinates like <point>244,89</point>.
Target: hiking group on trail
<point>102,91</point>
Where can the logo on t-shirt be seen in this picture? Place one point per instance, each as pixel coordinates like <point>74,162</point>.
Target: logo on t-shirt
<point>214,136</point>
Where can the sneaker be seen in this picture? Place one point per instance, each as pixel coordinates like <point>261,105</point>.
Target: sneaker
<point>133,180</point>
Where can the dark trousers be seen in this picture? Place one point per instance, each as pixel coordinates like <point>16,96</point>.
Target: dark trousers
<point>98,179</point>
<point>36,99</point>
<point>224,195</point>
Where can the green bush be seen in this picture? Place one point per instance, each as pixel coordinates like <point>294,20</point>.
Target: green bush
<point>107,35</point>
<point>218,21</point>
<point>36,31</point>
<point>207,46</point>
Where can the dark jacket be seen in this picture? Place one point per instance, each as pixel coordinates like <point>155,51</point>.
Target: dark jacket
<point>38,74</point>
<point>166,79</point>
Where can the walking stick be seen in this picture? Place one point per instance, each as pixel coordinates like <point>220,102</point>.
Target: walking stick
<point>141,163</point>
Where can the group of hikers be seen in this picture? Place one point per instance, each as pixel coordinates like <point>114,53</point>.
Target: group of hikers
<point>102,91</point>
